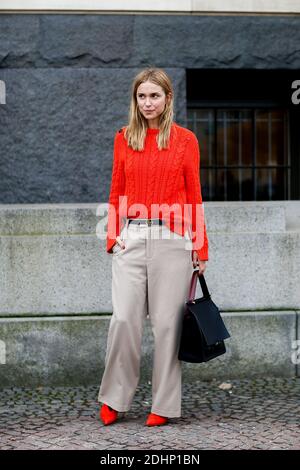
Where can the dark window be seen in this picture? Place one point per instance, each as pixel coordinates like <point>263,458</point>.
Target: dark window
<point>246,128</point>
<point>244,153</point>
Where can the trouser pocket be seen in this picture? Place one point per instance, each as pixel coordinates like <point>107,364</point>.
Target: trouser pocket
<point>116,248</point>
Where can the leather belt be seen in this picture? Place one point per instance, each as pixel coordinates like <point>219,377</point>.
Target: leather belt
<point>146,221</point>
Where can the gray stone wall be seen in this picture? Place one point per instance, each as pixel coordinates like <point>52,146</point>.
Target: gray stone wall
<point>68,81</point>
<point>55,292</point>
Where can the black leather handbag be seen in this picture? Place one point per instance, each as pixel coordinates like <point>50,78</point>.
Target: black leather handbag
<point>203,329</point>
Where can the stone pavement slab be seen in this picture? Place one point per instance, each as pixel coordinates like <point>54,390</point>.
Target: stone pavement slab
<point>240,414</point>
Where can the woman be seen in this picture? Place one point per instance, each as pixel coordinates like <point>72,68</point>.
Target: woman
<point>154,247</point>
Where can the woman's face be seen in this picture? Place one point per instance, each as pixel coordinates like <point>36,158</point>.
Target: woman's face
<point>151,100</point>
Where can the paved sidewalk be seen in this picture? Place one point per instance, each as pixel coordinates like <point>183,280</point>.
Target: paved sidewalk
<point>252,414</point>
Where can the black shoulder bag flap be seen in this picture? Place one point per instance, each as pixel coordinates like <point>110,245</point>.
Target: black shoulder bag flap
<point>203,329</point>
<point>206,313</point>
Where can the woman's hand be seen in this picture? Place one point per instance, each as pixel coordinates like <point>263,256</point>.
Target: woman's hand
<point>120,242</point>
<point>197,261</point>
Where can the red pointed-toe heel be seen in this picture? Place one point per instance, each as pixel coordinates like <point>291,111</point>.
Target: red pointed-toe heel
<point>107,414</point>
<point>156,420</point>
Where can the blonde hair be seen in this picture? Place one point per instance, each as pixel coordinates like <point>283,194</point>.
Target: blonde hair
<point>136,130</point>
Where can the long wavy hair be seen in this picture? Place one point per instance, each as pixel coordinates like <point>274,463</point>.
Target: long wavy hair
<point>136,130</point>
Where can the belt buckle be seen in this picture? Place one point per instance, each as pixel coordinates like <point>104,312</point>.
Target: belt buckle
<point>149,222</point>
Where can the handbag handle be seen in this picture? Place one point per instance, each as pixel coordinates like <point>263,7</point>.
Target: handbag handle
<point>193,285</point>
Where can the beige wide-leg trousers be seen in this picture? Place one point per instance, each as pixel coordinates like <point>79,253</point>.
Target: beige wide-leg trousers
<point>150,276</point>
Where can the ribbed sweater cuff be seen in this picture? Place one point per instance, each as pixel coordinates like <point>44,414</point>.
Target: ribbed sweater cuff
<point>202,254</point>
<point>109,244</point>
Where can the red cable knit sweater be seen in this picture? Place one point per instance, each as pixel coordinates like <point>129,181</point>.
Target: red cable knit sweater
<point>163,177</point>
